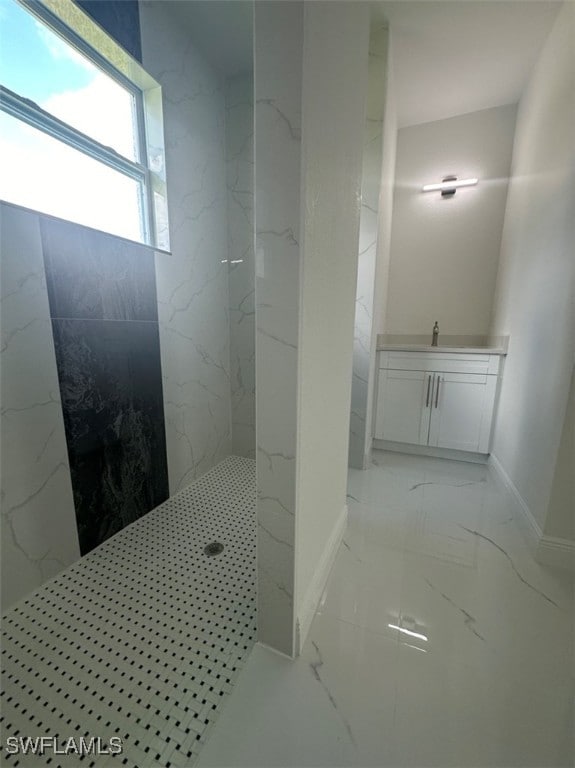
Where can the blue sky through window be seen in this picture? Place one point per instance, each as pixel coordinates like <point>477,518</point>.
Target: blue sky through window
<point>31,57</point>
<point>38,64</point>
<point>43,173</point>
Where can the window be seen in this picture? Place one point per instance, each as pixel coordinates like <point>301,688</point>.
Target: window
<point>80,123</point>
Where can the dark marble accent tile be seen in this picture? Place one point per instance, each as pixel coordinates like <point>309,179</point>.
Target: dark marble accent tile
<point>120,19</point>
<point>111,387</point>
<point>93,275</point>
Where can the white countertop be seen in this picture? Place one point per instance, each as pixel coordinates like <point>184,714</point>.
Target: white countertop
<point>444,349</point>
<point>448,344</point>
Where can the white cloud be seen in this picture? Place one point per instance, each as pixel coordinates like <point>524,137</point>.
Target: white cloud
<point>41,173</point>
<point>59,49</point>
<point>102,110</point>
<point>44,174</point>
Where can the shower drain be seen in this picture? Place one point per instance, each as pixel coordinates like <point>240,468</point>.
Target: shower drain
<point>213,549</point>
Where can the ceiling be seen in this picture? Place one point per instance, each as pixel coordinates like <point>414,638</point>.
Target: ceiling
<point>449,56</point>
<point>456,56</point>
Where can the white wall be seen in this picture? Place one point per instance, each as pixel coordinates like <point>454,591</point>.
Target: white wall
<point>335,73</point>
<point>39,534</point>
<point>445,251</point>
<point>535,287</point>
<point>241,275</point>
<point>383,259</point>
<point>560,521</point>
<point>278,61</point>
<point>192,282</point>
<point>310,83</point>
<point>365,334</point>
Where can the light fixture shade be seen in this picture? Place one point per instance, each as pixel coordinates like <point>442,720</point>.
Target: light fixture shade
<point>449,184</point>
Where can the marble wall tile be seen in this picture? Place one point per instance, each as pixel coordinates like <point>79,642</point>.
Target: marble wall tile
<point>278,83</point>
<point>39,536</point>
<point>365,332</point>
<point>97,276</point>
<point>192,282</point>
<point>111,388</point>
<point>241,276</point>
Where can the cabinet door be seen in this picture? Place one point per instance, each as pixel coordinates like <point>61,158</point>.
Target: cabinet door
<point>403,406</point>
<point>461,413</point>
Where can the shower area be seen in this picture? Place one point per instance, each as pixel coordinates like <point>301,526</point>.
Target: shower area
<point>140,472</point>
<point>128,426</point>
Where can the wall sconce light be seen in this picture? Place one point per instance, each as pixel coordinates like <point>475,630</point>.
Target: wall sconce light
<point>448,185</point>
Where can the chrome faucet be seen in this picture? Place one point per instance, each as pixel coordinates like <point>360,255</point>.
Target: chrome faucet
<point>435,334</point>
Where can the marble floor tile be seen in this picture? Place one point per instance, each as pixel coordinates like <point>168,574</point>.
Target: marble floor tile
<point>325,708</point>
<point>363,591</point>
<point>481,671</point>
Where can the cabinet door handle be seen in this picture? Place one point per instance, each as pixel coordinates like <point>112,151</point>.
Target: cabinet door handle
<point>428,388</point>
<point>437,391</point>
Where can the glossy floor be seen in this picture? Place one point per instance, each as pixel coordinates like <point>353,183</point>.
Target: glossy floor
<point>483,676</point>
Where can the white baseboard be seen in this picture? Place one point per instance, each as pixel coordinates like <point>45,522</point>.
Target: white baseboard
<point>315,590</point>
<point>559,553</point>
<point>529,524</point>
<point>274,650</point>
<point>547,550</point>
<point>426,450</point>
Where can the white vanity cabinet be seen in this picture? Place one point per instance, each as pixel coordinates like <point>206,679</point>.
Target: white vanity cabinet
<point>437,399</point>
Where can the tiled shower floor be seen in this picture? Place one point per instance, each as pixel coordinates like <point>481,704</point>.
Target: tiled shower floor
<point>143,638</point>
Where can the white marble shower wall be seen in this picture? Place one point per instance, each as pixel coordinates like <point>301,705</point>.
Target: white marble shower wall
<point>192,281</point>
<point>365,336</point>
<point>39,536</point>
<point>278,77</point>
<point>241,275</point>
<point>310,95</point>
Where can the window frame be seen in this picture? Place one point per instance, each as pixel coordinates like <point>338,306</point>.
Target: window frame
<point>145,110</point>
